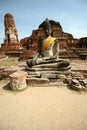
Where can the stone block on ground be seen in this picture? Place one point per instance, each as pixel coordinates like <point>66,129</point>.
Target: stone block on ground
<point>34,80</point>
<point>83,82</point>
<point>75,85</point>
<point>5,72</point>
<point>18,80</point>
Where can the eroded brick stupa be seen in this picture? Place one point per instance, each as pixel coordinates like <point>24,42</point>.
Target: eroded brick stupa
<point>11,42</point>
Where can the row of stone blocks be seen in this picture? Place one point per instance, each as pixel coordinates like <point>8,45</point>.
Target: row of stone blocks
<point>19,80</point>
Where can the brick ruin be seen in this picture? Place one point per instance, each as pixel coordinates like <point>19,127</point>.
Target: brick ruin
<point>11,42</point>
<point>66,40</point>
<point>67,43</point>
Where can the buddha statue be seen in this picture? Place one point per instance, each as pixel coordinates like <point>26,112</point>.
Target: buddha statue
<point>48,51</point>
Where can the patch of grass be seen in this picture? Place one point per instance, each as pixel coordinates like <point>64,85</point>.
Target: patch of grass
<point>9,62</point>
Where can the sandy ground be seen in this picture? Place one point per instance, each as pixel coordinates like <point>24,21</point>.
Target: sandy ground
<point>43,108</point>
<point>79,65</point>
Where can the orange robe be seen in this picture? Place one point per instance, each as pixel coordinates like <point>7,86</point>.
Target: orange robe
<point>47,42</point>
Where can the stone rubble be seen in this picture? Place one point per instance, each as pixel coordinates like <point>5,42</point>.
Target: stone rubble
<point>18,80</point>
<point>75,80</point>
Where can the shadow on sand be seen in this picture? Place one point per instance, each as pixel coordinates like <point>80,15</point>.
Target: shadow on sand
<point>7,87</point>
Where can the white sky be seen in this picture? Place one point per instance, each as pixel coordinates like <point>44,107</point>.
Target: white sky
<point>29,14</point>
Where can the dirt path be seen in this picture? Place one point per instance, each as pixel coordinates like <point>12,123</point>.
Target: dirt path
<point>43,108</point>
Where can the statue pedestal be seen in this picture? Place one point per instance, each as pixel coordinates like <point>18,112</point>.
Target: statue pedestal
<point>50,70</point>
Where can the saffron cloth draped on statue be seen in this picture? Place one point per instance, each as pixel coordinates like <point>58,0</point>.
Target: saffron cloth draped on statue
<point>47,42</point>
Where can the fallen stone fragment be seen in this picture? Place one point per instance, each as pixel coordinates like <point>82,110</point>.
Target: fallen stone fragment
<point>83,82</point>
<point>18,80</point>
<point>75,85</point>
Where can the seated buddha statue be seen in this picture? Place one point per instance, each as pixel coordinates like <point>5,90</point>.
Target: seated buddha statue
<point>48,50</point>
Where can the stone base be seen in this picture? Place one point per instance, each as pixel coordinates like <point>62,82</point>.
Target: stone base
<point>12,46</point>
<point>34,80</point>
<point>18,80</point>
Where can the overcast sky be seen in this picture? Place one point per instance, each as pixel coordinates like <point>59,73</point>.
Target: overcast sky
<point>29,14</point>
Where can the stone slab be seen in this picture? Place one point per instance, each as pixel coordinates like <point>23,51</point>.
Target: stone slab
<point>34,80</point>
